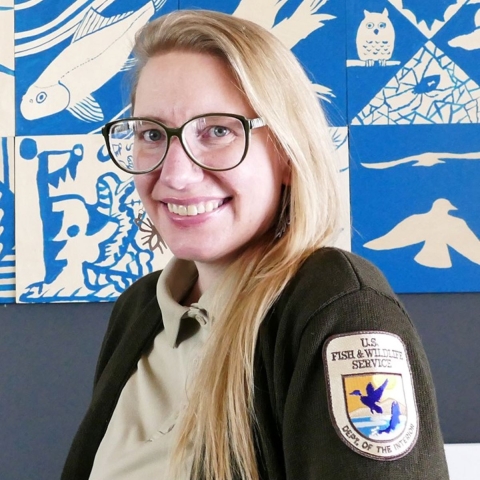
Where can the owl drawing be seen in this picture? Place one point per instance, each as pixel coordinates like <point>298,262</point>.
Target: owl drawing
<point>375,38</point>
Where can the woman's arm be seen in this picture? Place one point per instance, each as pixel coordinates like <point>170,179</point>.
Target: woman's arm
<point>334,424</point>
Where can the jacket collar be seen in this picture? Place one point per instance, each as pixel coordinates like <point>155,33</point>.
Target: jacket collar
<point>174,284</point>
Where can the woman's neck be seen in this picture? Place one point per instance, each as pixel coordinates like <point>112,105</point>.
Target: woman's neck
<point>193,295</point>
<point>208,274</point>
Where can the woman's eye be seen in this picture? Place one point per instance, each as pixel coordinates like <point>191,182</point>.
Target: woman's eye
<point>152,135</point>
<point>218,131</point>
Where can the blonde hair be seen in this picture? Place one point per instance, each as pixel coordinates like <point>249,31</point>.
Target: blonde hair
<point>219,425</point>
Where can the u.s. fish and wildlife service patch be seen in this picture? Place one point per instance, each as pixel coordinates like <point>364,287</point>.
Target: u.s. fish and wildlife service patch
<point>371,396</point>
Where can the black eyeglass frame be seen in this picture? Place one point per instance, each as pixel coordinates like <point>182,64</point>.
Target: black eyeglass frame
<point>249,124</point>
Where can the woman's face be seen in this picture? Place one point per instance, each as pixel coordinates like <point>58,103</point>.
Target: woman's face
<point>173,88</point>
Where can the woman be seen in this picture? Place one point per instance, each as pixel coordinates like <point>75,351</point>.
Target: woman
<point>258,349</point>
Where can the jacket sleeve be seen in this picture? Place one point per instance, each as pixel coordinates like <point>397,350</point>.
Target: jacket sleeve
<point>312,445</point>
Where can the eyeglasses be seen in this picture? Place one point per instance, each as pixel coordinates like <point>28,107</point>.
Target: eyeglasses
<point>215,141</point>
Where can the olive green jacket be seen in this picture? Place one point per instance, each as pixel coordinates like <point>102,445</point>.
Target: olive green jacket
<point>333,293</point>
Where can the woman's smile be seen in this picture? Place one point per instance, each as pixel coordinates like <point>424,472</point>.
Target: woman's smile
<point>191,209</point>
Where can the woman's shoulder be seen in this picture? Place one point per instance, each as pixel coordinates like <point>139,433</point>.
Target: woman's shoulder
<point>336,334</point>
<point>331,272</point>
<point>334,291</point>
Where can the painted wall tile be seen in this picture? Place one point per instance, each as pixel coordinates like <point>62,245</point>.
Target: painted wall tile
<point>430,85</point>
<point>7,235</point>
<point>313,30</point>
<point>416,206</point>
<point>81,231</point>
<point>7,70</point>
<point>71,61</point>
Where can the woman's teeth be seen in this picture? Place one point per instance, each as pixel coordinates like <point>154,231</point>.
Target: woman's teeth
<point>196,209</point>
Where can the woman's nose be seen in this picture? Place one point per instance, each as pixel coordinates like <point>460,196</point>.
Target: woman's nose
<point>177,170</point>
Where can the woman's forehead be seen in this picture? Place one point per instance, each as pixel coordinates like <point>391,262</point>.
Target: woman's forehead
<point>178,85</point>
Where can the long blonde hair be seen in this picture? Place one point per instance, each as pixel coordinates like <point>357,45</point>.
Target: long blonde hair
<point>220,419</point>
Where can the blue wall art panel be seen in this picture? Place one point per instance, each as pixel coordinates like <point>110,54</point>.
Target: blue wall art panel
<point>399,80</point>
<point>81,232</point>
<point>313,29</point>
<point>7,234</point>
<point>72,59</point>
<point>7,74</point>
<point>413,62</point>
<point>416,204</point>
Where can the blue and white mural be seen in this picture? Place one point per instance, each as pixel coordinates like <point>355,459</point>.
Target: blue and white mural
<point>81,232</point>
<point>71,58</point>
<point>7,238</point>
<point>400,82</point>
<point>7,74</point>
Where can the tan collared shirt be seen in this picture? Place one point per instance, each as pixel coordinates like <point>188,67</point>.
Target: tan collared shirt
<point>140,435</point>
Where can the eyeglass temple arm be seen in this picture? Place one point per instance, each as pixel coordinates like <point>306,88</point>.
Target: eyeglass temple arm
<point>256,123</point>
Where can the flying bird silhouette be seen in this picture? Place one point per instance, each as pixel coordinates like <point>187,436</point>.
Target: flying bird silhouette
<point>468,41</point>
<point>372,397</point>
<point>426,159</point>
<point>437,230</point>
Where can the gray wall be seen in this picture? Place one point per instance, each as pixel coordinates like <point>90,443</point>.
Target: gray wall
<point>48,354</point>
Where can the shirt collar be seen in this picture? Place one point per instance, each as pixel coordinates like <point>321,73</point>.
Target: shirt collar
<point>173,285</point>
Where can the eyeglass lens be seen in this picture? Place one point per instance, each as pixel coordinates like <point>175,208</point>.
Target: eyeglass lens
<point>216,142</point>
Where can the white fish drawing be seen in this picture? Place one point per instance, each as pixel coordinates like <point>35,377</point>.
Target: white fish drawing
<point>437,230</point>
<point>39,39</point>
<point>99,49</point>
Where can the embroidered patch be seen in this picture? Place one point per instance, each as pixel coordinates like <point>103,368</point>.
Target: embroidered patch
<point>371,397</point>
